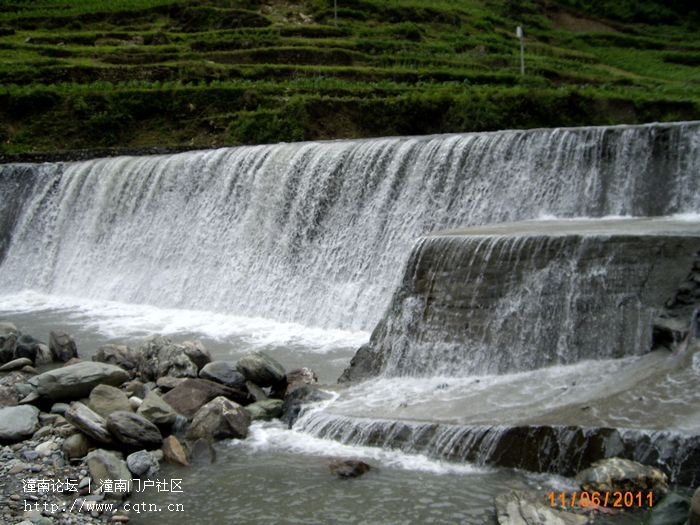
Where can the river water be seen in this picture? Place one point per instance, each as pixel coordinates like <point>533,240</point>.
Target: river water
<point>296,250</point>
<point>281,475</point>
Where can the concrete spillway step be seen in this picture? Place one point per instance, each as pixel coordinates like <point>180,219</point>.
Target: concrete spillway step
<point>564,450</point>
<point>527,295</point>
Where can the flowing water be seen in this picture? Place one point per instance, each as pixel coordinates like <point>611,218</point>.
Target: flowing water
<point>296,249</point>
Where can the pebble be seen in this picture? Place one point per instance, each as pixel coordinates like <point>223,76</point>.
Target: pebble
<point>40,457</point>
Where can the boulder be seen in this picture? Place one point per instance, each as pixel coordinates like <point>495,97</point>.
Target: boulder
<point>348,468</point>
<point>261,369</point>
<point>27,347</point>
<point>105,399</point>
<point>190,395</point>
<point>106,468</point>
<point>256,392</point>
<point>617,474</point>
<point>8,341</point>
<point>516,508</point>
<point>136,388</point>
<point>672,510</point>
<point>199,355</point>
<point>223,372</point>
<point>295,401</point>
<point>265,410</point>
<point>8,396</point>
<point>694,518</point>
<point>59,408</point>
<point>133,430</point>
<point>16,364</point>
<point>76,381</point>
<point>167,383</point>
<point>300,377</point>
<point>220,418</point>
<point>18,422</point>
<point>62,346</point>
<point>173,452</point>
<point>43,355</point>
<point>156,410</point>
<point>119,355</point>
<point>88,422</point>
<point>202,452</point>
<point>76,446</point>
<point>142,464</point>
<point>159,356</point>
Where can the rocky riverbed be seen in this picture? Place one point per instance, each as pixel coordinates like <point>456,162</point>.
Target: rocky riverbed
<point>78,437</point>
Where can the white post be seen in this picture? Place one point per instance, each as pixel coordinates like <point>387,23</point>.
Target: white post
<point>335,11</point>
<point>519,34</point>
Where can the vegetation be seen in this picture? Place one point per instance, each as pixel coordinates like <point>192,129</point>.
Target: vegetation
<point>134,74</point>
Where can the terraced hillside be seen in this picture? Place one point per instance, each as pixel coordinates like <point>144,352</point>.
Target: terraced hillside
<point>195,73</point>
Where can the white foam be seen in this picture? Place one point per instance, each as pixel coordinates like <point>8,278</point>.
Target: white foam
<point>115,319</point>
<point>273,436</point>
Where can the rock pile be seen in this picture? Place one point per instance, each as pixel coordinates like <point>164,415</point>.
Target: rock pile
<point>89,424</point>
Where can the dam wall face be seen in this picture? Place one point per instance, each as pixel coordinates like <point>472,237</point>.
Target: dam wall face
<point>529,295</point>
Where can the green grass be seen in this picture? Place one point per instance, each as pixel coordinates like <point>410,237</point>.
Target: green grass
<point>78,74</point>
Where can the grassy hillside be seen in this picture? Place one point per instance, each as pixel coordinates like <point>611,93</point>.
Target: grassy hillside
<point>196,73</point>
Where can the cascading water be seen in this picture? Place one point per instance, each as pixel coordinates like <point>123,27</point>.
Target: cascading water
<point>314,233</point>
<point>317,234</point>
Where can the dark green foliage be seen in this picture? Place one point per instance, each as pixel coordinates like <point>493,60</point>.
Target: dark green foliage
<point>202,73</point>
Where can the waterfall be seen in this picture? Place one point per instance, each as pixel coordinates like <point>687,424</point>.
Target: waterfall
<point>533,294</point>
<point>315,233</point>
<point>565,450</point>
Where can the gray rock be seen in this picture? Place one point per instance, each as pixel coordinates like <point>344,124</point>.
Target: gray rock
<point>617,474</point>
<point>202,452</point>
<point>7,348</point>
<point>43,355</point>
<point>295,401</point>
<point>76,381</point>
<point>255,391</point>
<point>8,341</point>
<point>694,518</point>
<point>133,430</point>
<point>62,346</point>
<point>672,510</point>
<point>7,329</point>
<point>76,446</point>
<point>261,369</point>
<point>266,409</point>
<point>118,355</point>
<point>189,396</point>
<point>105,399</point>
<point>59,408</point>
<point>199,355</point>
<point>16,364</point>
<point>107,466</point>
<point>516,508</point>
<point>136,388</point>
<point>27,347</point>
<point>348,468</point>
<point>156,410</point>
<point>17,423</point>
<point>167,383</point>
<point>142,464</point>
<point>300,377</point>
<point>223,372</point>
<point>159,356</point>
<point>220,419</point>
<point>89,422</point>
<point>8,396</point>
